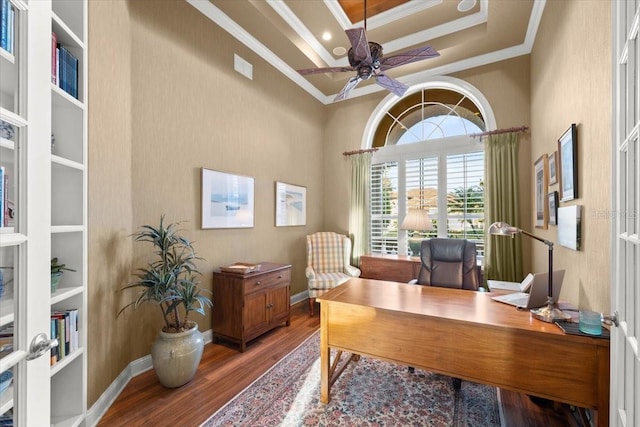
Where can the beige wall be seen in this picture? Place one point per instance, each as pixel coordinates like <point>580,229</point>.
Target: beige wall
<point>165,102</point>
<point>571,83</point>
<point>110,197</point>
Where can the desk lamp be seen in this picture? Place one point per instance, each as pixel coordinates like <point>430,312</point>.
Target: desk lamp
<point>416,220</point>
<point>548,313</point>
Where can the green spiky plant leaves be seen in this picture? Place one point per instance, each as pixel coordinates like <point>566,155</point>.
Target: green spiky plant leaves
<point>170,279</point>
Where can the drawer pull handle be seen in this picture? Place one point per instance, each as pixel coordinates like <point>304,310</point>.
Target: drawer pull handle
<point>269,305</point>
<point>258,283</point>
<point>280,277</point>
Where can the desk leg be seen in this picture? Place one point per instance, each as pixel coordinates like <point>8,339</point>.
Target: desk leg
<point>603,387</point>
<point>324,355</point>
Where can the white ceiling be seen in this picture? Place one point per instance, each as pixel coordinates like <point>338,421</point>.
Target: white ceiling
<point>288,35</point>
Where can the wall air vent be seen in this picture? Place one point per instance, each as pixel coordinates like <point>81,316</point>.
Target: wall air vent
<point>242,66</point>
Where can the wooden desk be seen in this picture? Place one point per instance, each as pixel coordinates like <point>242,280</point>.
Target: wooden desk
<point>466,335</point>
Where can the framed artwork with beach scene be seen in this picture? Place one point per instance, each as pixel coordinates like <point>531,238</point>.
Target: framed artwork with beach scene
<point>227,200</point>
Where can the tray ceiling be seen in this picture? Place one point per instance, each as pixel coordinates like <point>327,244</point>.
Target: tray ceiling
<point>289,34</point>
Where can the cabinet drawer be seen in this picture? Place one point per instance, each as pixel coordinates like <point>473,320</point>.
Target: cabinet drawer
<point>269,280</point>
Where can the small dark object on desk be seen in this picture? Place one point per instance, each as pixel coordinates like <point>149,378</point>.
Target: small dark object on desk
<point>572,328</point>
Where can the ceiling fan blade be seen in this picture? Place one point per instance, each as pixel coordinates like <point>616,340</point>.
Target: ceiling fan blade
<point>408,57</point>
<point>392,85</point>
<point>324,70</point>
<point>359,44</point>
<point>353,82</point>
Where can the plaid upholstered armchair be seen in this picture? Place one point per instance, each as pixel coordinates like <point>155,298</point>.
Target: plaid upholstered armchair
<point>328,263</point>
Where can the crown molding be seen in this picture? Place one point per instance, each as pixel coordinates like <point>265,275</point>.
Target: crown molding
<point>236,31</point>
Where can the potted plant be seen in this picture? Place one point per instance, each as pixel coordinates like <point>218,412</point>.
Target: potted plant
<point>170,281</point>
<point>56,273</point>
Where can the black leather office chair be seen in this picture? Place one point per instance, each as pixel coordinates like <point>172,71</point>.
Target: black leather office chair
<point>448,263</point>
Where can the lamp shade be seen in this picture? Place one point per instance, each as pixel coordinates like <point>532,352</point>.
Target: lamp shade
<point>503,229</point>
<point>416,219</point>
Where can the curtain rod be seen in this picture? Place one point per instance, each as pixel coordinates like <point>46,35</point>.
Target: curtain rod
<point>497,131</point>
<point>366,150</point>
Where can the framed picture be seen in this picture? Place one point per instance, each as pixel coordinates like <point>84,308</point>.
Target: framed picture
<point>569,226</point>
<point>552,200</point>
<point>541,183</point>
<point>227,200</point>
<point>553,170</point>
<point>291,205</point>
<point>568,158</point>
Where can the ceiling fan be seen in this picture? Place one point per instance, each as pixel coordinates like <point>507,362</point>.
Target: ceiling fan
<point>365,58</point>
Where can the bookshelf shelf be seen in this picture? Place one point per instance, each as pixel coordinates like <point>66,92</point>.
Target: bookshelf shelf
<point>63,294</point>
<point>68,231</point>
<point>8,237</point>
<point>65,35</point>
<point>66,162</point>
<point>7,56</point>
<point>5,143</point>
<point>61,97</point>
<point>59,366</point>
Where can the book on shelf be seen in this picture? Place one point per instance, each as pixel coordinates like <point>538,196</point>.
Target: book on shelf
<point>7,19</point>
<point>54,58</point>
<point>64,327</point>
<point>4,23</point>
<point>66,69</point>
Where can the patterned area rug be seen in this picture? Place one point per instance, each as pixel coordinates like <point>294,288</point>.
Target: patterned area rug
<point>369,392</point>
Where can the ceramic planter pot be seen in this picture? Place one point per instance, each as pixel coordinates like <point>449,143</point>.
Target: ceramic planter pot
<point>55,280</point>
<point>176,356</point>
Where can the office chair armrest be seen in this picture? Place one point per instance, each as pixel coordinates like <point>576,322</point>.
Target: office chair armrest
<point>310,272</point>
<point>352,271</point>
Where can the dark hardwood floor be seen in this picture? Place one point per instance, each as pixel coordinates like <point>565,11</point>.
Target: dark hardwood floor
<point>224,372</point>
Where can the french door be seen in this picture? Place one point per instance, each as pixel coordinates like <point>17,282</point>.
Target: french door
<point>25,244</point>
<point>625,297</point>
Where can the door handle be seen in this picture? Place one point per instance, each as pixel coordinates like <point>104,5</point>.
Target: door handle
<point>611,319</point>
<point>40,345</point>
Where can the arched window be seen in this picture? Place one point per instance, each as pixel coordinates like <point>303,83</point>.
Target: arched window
<point>427,160</point>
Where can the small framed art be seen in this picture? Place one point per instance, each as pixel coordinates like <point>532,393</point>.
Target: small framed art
<point>227,200</point>
<point>569,226</point>
<point>553,170</point>
<point>552,200</point>
<point>568,158</point>
<point>541,184</point>
<point>291,205</point>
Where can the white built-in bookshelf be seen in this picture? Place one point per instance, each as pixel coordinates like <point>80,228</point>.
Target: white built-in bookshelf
<point>44,100</point>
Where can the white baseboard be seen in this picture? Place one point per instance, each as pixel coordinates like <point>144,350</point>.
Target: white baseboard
<point>135,368</point>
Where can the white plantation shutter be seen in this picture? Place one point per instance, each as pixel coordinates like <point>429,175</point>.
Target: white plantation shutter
<point>384,208</point>
<point>465,197</point>
<point>454,181</point>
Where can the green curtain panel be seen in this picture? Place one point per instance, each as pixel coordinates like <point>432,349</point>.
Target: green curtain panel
<point>503,257</point>
<point>359,211</point>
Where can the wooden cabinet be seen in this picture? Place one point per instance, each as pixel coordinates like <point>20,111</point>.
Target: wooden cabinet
<point>395,268</point>
<point>248,305</point>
